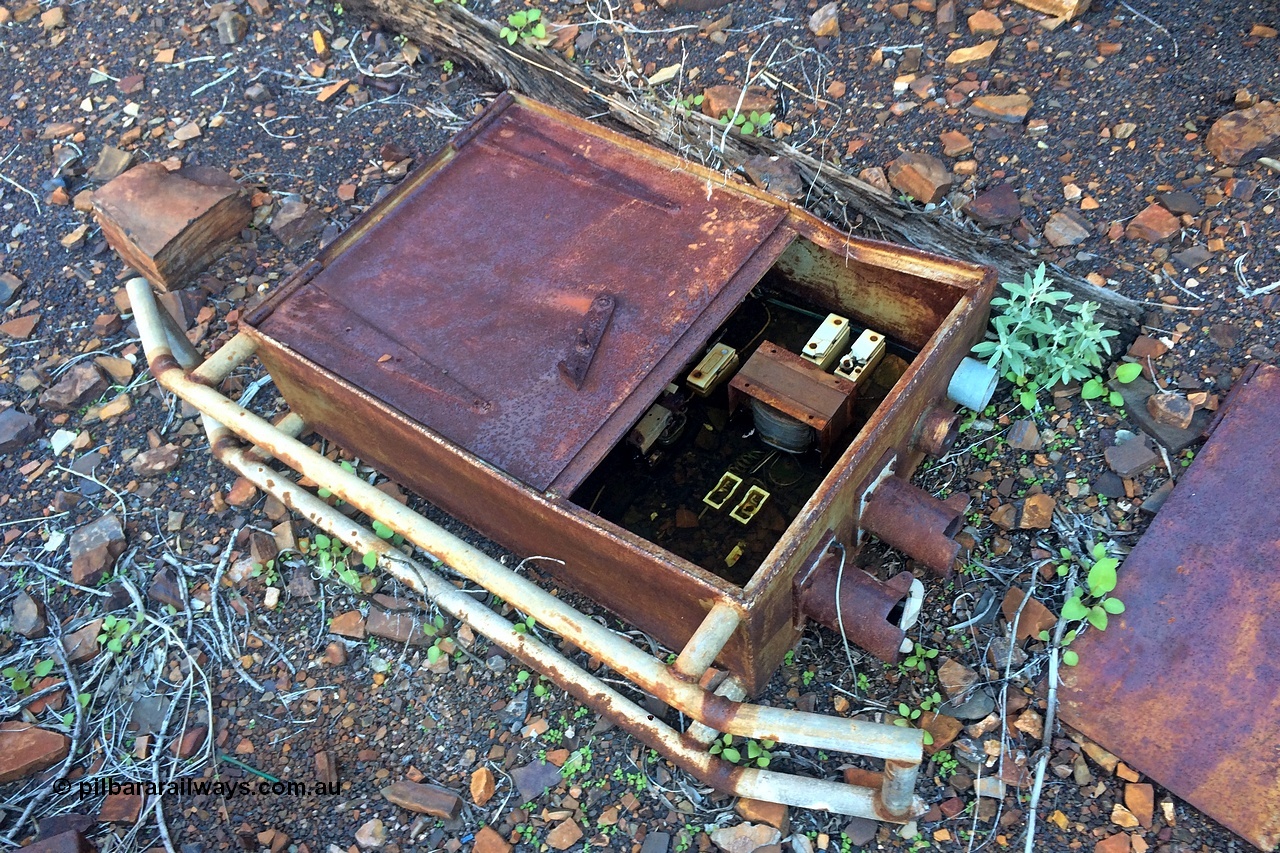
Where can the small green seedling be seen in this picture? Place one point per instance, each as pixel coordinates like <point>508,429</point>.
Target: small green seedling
<point>524,25</point>
<point>116,631</point>
<point>1092,602</point>
<point>750,124</point>
<point>1093,389</point>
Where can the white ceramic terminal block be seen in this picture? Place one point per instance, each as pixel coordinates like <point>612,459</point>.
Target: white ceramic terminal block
<point>715,366</point>
<point>828,342</point>
<point>862,357</point>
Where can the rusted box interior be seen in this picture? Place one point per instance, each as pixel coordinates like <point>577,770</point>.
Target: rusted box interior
<point>494,333</point>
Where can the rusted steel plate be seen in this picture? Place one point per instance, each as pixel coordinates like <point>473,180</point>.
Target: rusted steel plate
<point>516,297</point>
<point>1185,685</point>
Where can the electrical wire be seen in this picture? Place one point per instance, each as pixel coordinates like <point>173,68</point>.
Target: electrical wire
<point>848,653</point>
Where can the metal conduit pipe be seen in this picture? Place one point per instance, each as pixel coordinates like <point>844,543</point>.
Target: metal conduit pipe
<point>889,742</point>
<point>701,650</point>
<point>915,522</point>
<point>799,791</point>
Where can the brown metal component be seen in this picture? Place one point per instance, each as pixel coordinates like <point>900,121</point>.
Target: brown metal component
<point>574,366</point>
<point>371,279</point>
<point>1185,684</point>
<point>865,603</point>
<point>937,431</point>
<point>913,521</point>
<point>798,388</point>
<point>464,331</point>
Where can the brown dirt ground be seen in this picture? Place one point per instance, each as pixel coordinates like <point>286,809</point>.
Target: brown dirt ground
<point>382,714</point>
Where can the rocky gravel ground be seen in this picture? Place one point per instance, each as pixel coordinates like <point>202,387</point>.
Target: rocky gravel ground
<point>164,623</point>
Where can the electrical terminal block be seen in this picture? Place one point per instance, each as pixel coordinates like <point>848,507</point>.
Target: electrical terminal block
<point>650,427</point>
<point>714,368</point>
<point>862,357</point>
<point>827,344</point>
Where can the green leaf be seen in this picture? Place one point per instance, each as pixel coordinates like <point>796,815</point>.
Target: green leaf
<point>1098,618</point>
<point>1070,658</point>
<point>732,755</point>
<point>1102,577</point>
<point>370,560</point>
<point>1044,636</point>
<point>382,531</point>
<point>928,739</point>
<point>753,749</point>
<point>764,759</point>
<point>768,744</point>
<point>1116,399</point>
<point>43,668</point>
<point>433,654</point>
<point>322,542</point>
<point>1126,373</point>
<point>115,646</point>
<point>534,14</point>
<point>748,128</point>
<point>1073,609</point>
<point>728,739</point>
<point>540,31</point>
<point>1028,400</point>
<point>1093,389</point>
<point>1114,606</point>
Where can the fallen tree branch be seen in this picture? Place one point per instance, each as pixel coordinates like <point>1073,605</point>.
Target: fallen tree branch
<point>451,30</point>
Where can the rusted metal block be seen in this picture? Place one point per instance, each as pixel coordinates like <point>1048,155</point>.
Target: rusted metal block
<point>495,364</point>
<point>170,225</point>
<point>1185,684</point>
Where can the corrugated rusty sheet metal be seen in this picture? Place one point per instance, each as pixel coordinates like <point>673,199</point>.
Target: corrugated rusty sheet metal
<point>524,290</point>
<point>1185,685</point>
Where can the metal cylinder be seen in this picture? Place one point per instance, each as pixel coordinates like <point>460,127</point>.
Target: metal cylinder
<point>937,430</point>
<point>972,384</point>
<point>914,522</point>
<point>897,787</point>
<point>864,606</point>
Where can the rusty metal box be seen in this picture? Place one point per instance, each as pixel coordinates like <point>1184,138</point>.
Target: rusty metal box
<point>491,331</point>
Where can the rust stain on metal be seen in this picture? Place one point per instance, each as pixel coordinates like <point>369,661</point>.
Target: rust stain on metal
<point>1185,685</point>
<point>476,285</point>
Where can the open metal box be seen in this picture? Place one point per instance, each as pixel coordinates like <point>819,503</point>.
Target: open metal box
<point>492,332</point>
<point>429,338</point>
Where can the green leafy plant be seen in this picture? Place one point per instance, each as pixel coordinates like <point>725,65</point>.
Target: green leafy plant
<point>946,762</point>
<point>1094,387</point>
<point>524,25</point>
<point>1033,349</point>
<point>1092,601</point>
<point>757,752</point>
<point>690,102</point>
<point>908,716</point>
<point>266,571</point>
<point>333,560</point>
<point>21,681</point>
<point>116,632</point>
<point>750,124</point>
<point>918,659</point>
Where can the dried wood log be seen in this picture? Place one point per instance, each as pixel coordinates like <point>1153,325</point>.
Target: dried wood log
<point>170,225</point>
<point>452,30</point>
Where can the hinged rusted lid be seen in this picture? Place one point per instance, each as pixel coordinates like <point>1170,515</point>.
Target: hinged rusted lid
<point>530,292</point>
